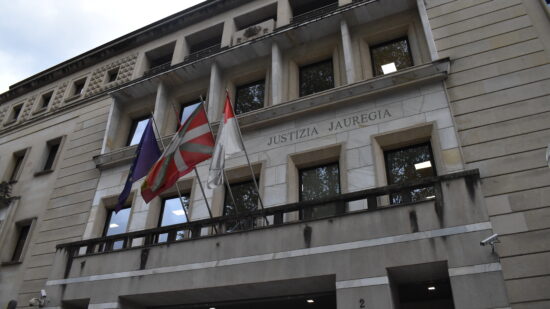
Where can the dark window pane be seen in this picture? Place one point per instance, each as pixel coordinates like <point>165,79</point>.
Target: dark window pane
<point>246,198</point>
<point>46,98</point>
<point>390,57</point>
<point>249,97</point>
<point>79,86</point>
<point>173,213</point>
<point>136,131</point>
<point>16,111</point>
<point>407,164</point>
<point>316,77</point>
<point>112,75</point>
<point>52,153</point>
<point>317,183</point>
<point>23,233</point>
<point>17,165</point>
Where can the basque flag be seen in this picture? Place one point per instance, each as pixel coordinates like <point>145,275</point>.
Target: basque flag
<point>192,144</point>
<point>147,153</point>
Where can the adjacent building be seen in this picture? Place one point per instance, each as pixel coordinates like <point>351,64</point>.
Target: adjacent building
<point>390,141</point>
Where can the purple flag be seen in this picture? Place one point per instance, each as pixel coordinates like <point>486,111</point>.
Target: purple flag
<point>147,153</point>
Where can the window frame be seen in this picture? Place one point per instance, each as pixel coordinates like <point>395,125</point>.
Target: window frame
<point>41,107</point>
<point>313,64</point>
<point>249,222</point>
<point>109,73</point>
<point>378,45</point>
<point>12,116</point>
<point>133,127</point>
<point>246,85</point>
<point>108,217</point>
<point>182,107</point>
<point>20,243</point>
<point>16,170</point>
<point>339,208</point>
<point>56,142</point>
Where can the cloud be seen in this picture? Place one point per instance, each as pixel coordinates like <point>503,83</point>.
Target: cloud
<point>36,35</point>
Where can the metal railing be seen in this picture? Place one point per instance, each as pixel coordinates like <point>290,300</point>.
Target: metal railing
<point>376,198</point>
<point>214,49</point>
<point>318,12</point>
<point>157,69</point>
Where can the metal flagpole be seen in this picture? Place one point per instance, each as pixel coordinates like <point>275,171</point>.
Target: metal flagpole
<point>198,177</point>
<point>247,159</point>
<point>177,185</point>
<point>223,170</point>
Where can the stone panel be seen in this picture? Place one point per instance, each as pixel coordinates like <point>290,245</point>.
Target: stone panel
<point>528,289</point>
<point>516,181</point>
<point>526,265</point>
<point>470,12</point>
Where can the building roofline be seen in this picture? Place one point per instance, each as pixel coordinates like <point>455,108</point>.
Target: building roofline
<point>133,39</point>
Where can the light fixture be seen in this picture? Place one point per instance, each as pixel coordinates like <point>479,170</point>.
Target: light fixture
<point>389,68</point>
<point>212,307</point>
<point>430,197</point>
<point>113,225</point>
<point>179,212</point>
<point>431,288</point>
<point>422,165</point>
<point>310,301</point>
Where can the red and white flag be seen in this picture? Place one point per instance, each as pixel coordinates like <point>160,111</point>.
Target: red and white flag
<point>192,144</point>
<point>227,144</point>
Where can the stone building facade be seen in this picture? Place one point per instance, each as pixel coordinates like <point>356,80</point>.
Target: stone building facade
<point>388,139</point>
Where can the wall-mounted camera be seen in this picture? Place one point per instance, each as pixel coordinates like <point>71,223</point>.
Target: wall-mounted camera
<point>491,240</point>
<point>39,301</point>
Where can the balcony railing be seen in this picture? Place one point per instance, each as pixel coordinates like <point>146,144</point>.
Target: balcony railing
<point>315,13</point>
<point>157,69</point>
<point>214,49</point>
<point>377,198</point>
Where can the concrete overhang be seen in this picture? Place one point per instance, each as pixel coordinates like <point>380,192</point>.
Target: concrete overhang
<point>286,37</point>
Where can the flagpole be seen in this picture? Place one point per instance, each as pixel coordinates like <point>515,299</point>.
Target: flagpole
<point>247,159</point>
<point>198,177</point>
<point>177,185</point>
<point>223,170</point>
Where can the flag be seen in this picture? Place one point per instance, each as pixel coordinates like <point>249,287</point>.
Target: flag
<point>227,143</point>
<point>147,153</point>
<point>192,144</point>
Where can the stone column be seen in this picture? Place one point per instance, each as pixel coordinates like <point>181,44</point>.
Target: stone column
<point>276,74</point>
<point>214,93</point>
<point>180,51</point>
<point>348,52</point>
<point>228,29</point>
<point>427,29</point>
<point>284,13</point>
<point>162,105</point>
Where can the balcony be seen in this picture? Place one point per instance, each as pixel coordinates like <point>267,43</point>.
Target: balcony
<point>279,249</point>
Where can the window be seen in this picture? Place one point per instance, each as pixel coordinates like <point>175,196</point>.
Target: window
<point>316,77</point>
<point>249,97</point>
<point>159,58</point>
<point>186,110</point>
<point>52,150</point>
<point>391,56</point>
<point>112,75</point>
<point>78,87</point>
<point>115,224</point>
<point>23,233</point>
<point>407,164</point>
<point>204,42</point>
<point>172,212</point>
<point>45,100</point>
<point>136,131</point>
<point>246,198</point>
<point>17,165</point>
<point>320,182</point>
<point>15,112</point>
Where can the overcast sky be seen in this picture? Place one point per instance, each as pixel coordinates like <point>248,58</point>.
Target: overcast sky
<point>38,34</point>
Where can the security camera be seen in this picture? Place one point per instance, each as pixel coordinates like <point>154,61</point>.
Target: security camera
<point>489,240</point>
<point>43,294</point>
<point>34,302</point>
